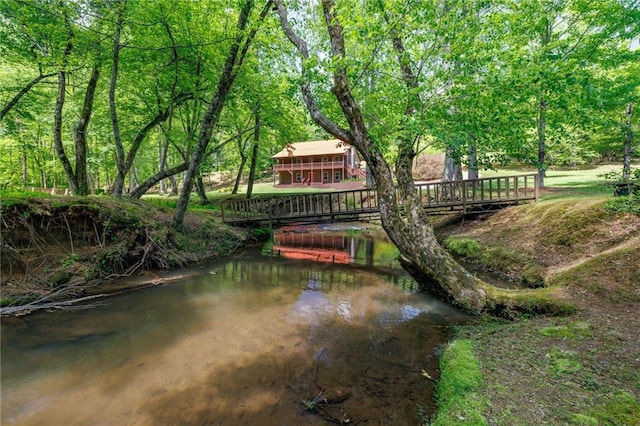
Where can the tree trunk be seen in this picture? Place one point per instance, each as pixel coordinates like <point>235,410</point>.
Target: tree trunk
<point>142,134</point>
<point>543,105</point>
<point>162,174</point>
<point>542,139</point>
<point>628,143</point>
<point>452,168</point>
<point>162,156</point>
<point>80,134</point>
<point>236,184</point>
<point>23,164</point>
<point>200,189</point>
<point>57,132</point>
<point>472,160</point>
<point>254,154</point>
<point>118,184</point>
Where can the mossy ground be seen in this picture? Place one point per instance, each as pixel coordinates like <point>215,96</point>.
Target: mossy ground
<point>582,368</point>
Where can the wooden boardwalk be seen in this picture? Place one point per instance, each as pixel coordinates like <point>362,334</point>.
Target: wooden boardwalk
<point>464,196</point>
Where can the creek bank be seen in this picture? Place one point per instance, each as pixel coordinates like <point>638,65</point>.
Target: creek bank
<point>56,249</point>
<point>580,369</point>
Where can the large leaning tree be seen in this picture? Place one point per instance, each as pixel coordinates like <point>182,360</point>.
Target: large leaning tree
<point>349,81</point>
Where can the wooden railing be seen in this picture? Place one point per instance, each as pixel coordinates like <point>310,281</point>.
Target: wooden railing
<point>440,197</point>
<point>479,191</point>
<point>316,165</point>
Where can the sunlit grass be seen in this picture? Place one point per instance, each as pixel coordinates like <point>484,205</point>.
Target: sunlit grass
<point>567,183</point>
<point>460,401</point>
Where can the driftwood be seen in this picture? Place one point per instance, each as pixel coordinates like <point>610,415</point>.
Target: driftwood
<point>321,403</point>
<point>58,299</point>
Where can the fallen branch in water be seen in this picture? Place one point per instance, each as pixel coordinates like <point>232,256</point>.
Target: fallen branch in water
<point>53,301</point>
<point>321,403</point>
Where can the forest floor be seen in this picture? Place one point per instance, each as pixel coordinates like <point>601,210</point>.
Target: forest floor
<point>581,369</point>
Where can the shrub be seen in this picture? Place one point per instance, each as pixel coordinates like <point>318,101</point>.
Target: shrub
<point>627,204</point>
<point>463,247</point>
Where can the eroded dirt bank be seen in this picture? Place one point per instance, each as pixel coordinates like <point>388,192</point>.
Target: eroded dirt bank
<point>65,248</point>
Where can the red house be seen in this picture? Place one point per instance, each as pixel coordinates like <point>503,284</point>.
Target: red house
<point>317,163</point>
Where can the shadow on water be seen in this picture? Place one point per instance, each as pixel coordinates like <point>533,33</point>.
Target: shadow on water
<point>379,373</point>
<point>242,341</point>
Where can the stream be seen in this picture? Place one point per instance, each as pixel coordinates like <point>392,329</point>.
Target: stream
<point>319,325</point>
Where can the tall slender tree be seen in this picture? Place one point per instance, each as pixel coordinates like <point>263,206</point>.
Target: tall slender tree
<point>238,51</point>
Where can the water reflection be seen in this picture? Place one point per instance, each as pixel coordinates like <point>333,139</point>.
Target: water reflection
<point>243,341</point>
<point>331,246</point>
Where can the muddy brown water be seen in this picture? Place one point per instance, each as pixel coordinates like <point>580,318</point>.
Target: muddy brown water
<point>244,340</point>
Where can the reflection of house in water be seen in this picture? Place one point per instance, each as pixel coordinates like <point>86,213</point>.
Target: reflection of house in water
<point>321,247</point>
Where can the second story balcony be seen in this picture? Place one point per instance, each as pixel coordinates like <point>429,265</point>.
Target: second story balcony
<point>316,165</point>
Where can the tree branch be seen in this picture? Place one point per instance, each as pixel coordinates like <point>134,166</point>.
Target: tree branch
<point>23,92</point>
<point>316,114</point>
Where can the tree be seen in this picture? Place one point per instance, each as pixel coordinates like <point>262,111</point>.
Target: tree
<point>235,57</point>
<point>77,179</point>
<point>410,231</point>
<point>555,47</point>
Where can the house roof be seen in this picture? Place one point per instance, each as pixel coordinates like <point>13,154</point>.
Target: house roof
<point>326,147</point>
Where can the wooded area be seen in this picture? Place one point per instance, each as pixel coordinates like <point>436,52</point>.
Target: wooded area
<point>123,96</point>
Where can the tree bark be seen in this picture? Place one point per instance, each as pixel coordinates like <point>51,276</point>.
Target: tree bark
<point>542,113</point>
<point>628,143</point>
<point>410,232</point>
<point>162,156</point>
<point>472,160</point>
<point>200,189</point>
<point>542,139</point>
<point>80,134</point>
<point>142,134</point>
<point>118,184</point>
<point>452,168</point>
<point>57,116</point>
<point>236,184</point>
<point>254,154</point>
<point>23,164</point>
<point>162,174</point>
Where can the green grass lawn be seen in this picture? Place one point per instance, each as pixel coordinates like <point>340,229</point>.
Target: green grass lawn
<point>584,182</point>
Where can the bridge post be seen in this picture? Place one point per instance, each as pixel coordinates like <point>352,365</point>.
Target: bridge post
<point>464,195</point>
<point>331,207</point>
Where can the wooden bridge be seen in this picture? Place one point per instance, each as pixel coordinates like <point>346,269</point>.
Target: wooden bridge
<point>465,196</point>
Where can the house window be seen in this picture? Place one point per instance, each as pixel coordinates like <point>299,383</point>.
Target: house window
<point>325,159</point>
<point>337,176</point>
<point>298,160</point>
<point>325,177</point>
<point>337,158</point>
<point>298,177</point>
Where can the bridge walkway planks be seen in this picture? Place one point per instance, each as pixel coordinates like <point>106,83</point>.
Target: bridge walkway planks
<point>437,198</point>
